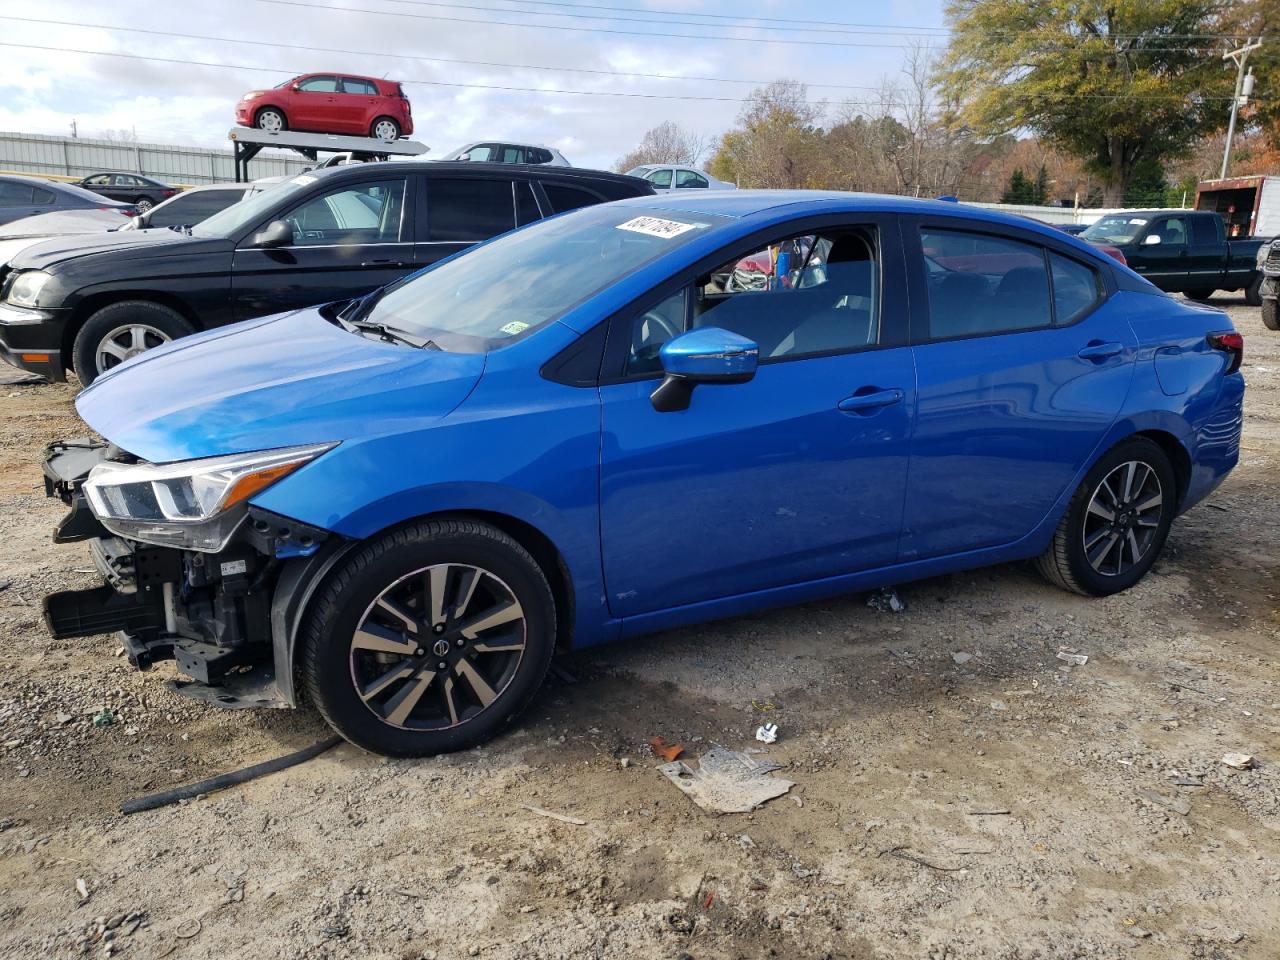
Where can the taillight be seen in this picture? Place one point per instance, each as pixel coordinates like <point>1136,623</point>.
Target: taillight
<point>1115,254</point>
<point>1232,343</point>
<point>169,193</point>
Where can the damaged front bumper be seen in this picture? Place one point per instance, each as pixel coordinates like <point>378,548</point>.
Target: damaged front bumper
<point>227,619</point>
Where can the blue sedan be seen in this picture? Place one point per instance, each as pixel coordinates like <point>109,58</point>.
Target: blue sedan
<point>624,419</point>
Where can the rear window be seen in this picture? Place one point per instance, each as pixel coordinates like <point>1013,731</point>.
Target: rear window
<point>40,195</point>
<point>468,211</point>
<point>564,197</point>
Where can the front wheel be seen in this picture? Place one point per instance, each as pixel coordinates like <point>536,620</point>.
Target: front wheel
<point>1253,292</point>
<point>1270,317</point>
<point>384,128</point>
<point>1200,296</point>
<point>120,331</point>
<point>429,639</point>
<point>271,120</point>
<point>1117,522</point>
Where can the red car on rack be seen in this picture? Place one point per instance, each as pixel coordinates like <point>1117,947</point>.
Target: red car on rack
<point>330,103</point>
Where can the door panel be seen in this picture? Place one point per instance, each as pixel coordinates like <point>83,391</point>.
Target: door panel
<point>1165,263</point>
<point>756,485</point>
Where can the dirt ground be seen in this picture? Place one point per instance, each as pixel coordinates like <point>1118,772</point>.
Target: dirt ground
<point>1005,805</point>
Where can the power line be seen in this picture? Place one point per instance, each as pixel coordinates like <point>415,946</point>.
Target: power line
<point>384,53</point>
<point>545,90</point>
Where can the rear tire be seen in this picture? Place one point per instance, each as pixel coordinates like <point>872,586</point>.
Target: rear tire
<point>395,651</point>
<point>1199,296</point>
<point>1116,524</point>
<point>384,128</point>
<point>143,204</point>
<point>1253,292</point>
<point>271,120</point>
<point>1270,314</point>
<point>120,331</point>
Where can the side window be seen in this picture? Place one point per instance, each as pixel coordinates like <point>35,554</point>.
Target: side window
<point>101,180</point>
<point>319,85</point>
<point>1203,232</point>
<point>689,178</point>
<point>796,297</point>
<point>468,211</point>
<point>1076,288</point>
<point>539,155</point>
<point>40,195</point>
<point>652,329</point>
<point>188,209</point>
<point>123,180</point>
<point>14,194</point>
<point>1170,230</point>
<point>984,284</point>
<point>526,205</point>
<point>363,213</point>
<point>660,179</point>
<point>480,154</point>
<point>513,154</point>
<point>568,198</point>
<point>362,87</point>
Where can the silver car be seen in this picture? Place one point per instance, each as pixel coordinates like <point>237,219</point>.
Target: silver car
<point>677,177</point>
<point>494,151</point>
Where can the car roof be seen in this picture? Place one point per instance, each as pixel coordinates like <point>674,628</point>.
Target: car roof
<point>537,171</point>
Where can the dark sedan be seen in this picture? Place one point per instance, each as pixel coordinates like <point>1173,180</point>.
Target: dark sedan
<point>22,197</point>
<point>143,192</point>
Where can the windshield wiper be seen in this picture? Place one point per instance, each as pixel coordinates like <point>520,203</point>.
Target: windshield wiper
<point>392,334</point>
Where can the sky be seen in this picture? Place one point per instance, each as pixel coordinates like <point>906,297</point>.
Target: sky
<point>183,89</point>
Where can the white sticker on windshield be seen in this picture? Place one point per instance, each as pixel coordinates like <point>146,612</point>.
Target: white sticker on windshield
<point>514,327</point>
<point>1137,222</point>
<point>657,227</point>
<point>305,179</point>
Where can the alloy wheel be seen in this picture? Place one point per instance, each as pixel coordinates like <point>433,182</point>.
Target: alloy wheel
<point>144,205</point>
<point>125,342</point>
<point>437,647</point>
<point>1123,518</point>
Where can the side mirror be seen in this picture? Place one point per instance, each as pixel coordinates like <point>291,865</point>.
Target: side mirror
<point>1151,240</point>
<point>295,87</point>
<point>277,233</point>
<point>708,355</point>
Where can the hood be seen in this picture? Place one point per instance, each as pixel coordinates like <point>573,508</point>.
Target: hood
<point>120,245</point>
<point>62,222</point>
<point>9,247</point>
<point>273,382</point>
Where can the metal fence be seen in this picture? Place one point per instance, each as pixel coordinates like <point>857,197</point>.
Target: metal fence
<point>77,157</point>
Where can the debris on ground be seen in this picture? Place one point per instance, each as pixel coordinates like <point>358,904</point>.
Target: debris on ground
<point>1177,804</point>
<point>961,657</point>
<point>552,815</point>
<point>886,600</point>
<point>991,812</point>
<point>665,751</point>
<point>1239,761</point>
<point>727,781</point>
<point>82,888</point>
<point>104,718</point>
<point>1079,659</point>
<point>767,733</point>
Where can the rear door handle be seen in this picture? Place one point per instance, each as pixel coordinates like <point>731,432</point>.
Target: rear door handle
<point>385,263</point>
<point>1100,351</point>
<point>871,401</point>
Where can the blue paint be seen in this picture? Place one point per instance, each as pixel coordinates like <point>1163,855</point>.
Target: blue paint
<point>813,476</point>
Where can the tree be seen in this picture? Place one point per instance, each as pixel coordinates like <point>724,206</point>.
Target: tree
<point>1019,190</point>
<point>1117,84</point>
<point>779,143</point>
<point>668,142</point>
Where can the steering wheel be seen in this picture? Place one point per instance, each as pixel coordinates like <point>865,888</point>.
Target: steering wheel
<point>649,335</point>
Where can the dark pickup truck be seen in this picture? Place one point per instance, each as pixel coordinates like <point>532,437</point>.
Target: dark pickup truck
<point>1184,251</point>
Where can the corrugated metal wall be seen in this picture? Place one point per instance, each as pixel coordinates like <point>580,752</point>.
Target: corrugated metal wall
<point>78,157</point>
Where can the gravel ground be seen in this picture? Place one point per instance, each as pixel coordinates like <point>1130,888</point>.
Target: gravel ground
<point>961,792</point>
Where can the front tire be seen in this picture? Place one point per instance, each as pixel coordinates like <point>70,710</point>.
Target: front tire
<point>429,639</point>
<point>143,204</point>
<point>1199,296</point>
<point>271,120</point>
<point>1270,314</point>
<point>1253,292</point>
<point>1116,524</point>
<point>120,331</point>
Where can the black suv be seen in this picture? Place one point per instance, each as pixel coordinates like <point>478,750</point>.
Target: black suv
<point>91,302</point>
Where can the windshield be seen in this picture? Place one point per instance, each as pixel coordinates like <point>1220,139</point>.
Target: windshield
<point>236,217</point>
<point>517,284</point>
<point>1117,228</point>
<point>638,171</point>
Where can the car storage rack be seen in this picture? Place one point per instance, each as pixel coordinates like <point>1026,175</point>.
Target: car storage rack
<point>247,142</point>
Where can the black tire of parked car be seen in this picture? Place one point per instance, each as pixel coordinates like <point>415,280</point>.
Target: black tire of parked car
<point>1271,314</point>
<point>143,204</point>
<point>1066,563</point>
<point>1199,296</point>
<point>384,128</point>
<point>343,602</point>
<point>1253,292</point>
<point>114,316</point>
<point>270,119</point>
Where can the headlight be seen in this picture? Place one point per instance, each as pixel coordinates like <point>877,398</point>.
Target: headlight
<point>253,95</point>
<point>1262,254</point>
<point>192,504</point>
<point>25,287</point>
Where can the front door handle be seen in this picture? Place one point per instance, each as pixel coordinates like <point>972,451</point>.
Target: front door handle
<point>1100,351</point>
<point>871,401</point>
<point>385,263</point>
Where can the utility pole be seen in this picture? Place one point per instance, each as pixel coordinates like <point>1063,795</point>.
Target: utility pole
<point>1244,87</point>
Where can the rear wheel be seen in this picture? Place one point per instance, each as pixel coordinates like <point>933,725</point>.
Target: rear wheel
<point>384,128</point>
<point>1270,317</point>
<point>270,119</point>
<point>1200,296</point>
<point>120,331</point>
<point>143,204</point>
<point>1253,292</point>
<point>429,639</point>
<point>1117,522</point>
